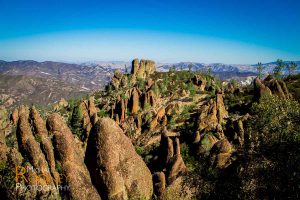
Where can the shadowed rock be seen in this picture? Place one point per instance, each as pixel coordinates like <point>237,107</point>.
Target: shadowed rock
<point>41,132</point>
<point>220,153</point>
<point>117,171</point>
<point>159,181</point>
<point>31,149</point>
<point>68,154</point>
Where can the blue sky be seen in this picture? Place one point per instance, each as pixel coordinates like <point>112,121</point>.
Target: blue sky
<point>228,31</point>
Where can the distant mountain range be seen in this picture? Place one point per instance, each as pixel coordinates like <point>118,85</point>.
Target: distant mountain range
<point>47,82</point>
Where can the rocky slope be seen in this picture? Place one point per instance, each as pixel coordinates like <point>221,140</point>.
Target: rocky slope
<point>156,135</point>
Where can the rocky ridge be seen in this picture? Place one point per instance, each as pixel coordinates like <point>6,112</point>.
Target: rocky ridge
<point>144,137</point>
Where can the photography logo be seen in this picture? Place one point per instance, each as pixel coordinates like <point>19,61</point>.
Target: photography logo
<point>28,178</point>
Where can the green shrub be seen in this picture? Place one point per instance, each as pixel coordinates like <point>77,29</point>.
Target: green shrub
<point>102,113</point>
<point>276,119</point>
<point>189,160</point>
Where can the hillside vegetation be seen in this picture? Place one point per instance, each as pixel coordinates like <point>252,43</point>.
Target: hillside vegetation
<point>159,135</point>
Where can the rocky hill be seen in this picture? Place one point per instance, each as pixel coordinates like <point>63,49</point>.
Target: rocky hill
<point>157,135</point>
<point>44,83</point>
<point>83,79</point>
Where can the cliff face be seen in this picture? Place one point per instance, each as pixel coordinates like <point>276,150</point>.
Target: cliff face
<point>149,135</point>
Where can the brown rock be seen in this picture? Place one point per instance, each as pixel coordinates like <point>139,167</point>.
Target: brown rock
<point>260,89</point>
<point>94,119</point>
<point>3,124</point>
<point>221,153</point>
<point>116,79</point>
<point>135,66</point>
<point>31,148</point>
<point>149,67</point>
<point>167,149</point>
<point>41,133</point>
<point>284,89</point>
<point>150,83</point>
<point>175,168</point>
<point>124,81</point>
<point>117,170</point>
<point>141,73</point>
<point>161,112</point>
<point>15,116</point>
<point>142,69</point>
<point>159,180</point>
<point>68,154</point>
<point>276,89</point>
<point>91,106</point>
<point>222,112</point>
<point>153,123</point>
<point>207,117</point>
<point>135,101</point>
<point>198,80</point>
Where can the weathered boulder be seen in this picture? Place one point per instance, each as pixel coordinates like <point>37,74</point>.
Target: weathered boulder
<point>275,87</point>
<point>149,67</point>
<point>170,157</point>
<point>117,171</point>
<point>159,181</point>
<point>199,81</point>
<point>91,106</point>
<point>135,66</point>
<point>161,112</point>
<point>31,149</point>
<point>15,116</point>
<point>207,116</point>
<point>41,133</point>
<point>260,89</point>
<point>3,125</point>
<point>116,79</point>
<point>176,166</point>
<point>221,153</point>
<point>222,112</point>
<point>135,101</point>
<point>167,149</point>
<point>69,155</point>
<point>142,69</point>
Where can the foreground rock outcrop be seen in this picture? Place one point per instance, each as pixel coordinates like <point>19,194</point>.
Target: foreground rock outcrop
<point>116,169</point>
<point>77,176</point>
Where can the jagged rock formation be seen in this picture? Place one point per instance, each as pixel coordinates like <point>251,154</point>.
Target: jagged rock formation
<point>200,82</point>
<point>69,155</point>
<point>235,128</point>
<point>30,147</point>
<point>135,100</point>
<point>154,116</point>
<point>41,133</point>
<point>211,114</point>
<point>117,79</point>
<point>4,123</point>
<point>84,116</point>
<point>170,156</point>
<point>270,86</point>
<point>118,172</point>
<point>220,153</point>
<point>142,69</point>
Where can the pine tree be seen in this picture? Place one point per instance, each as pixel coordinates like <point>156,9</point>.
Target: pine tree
<point>259,69</point>
<point>278,68</point>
